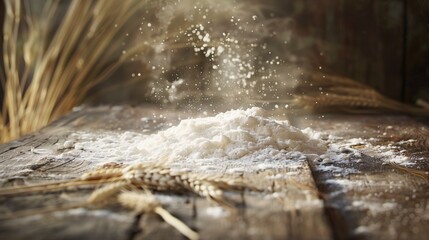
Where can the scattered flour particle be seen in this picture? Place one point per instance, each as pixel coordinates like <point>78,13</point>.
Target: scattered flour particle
<point>68,144</point>
<point>216,212</point>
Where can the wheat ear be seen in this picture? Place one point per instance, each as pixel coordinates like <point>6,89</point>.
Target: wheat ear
<point>141,175</point>
<point>103,173</point>
<point>162,179</point>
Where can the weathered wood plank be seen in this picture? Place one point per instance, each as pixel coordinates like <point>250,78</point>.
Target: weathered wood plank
<point>289,203</point>
<point>376,201</point>
<point>73,224</point>
<point>20,165</point>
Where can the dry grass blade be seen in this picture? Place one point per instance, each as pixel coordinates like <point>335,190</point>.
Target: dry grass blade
<point>146,202</point>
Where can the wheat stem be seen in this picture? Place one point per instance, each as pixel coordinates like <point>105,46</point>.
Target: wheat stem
<point>146,202</point>
<point>53,71</point>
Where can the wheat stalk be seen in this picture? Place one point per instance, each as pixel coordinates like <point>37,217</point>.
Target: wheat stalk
<point>163,179</point>
<point>156,178</point>
<point>334,100</point>
<point>324,92</point>
<point>138,201</point>
<point>320,79</point>
<point>106,193</point>
<point>136,176</point>
<point>146,202</point>
<point>48,75</point>
<point>349,98</point>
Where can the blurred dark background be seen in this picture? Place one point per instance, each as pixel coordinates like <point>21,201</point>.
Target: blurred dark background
<point>383,43</point>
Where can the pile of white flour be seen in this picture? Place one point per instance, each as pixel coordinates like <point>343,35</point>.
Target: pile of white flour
<point>232,135</point>
<point>234,138</point>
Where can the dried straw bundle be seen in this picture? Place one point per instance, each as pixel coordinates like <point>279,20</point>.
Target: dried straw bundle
<point>48,68</point>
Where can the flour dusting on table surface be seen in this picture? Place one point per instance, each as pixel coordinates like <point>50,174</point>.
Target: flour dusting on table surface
<point>233,141</point>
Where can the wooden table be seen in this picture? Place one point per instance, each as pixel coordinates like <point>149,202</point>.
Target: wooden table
<point>374,201</point>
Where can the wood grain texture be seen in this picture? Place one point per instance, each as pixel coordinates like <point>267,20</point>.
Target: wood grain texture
<point>377,201</point>
<point>286,205</point>
<point>374,201</point>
